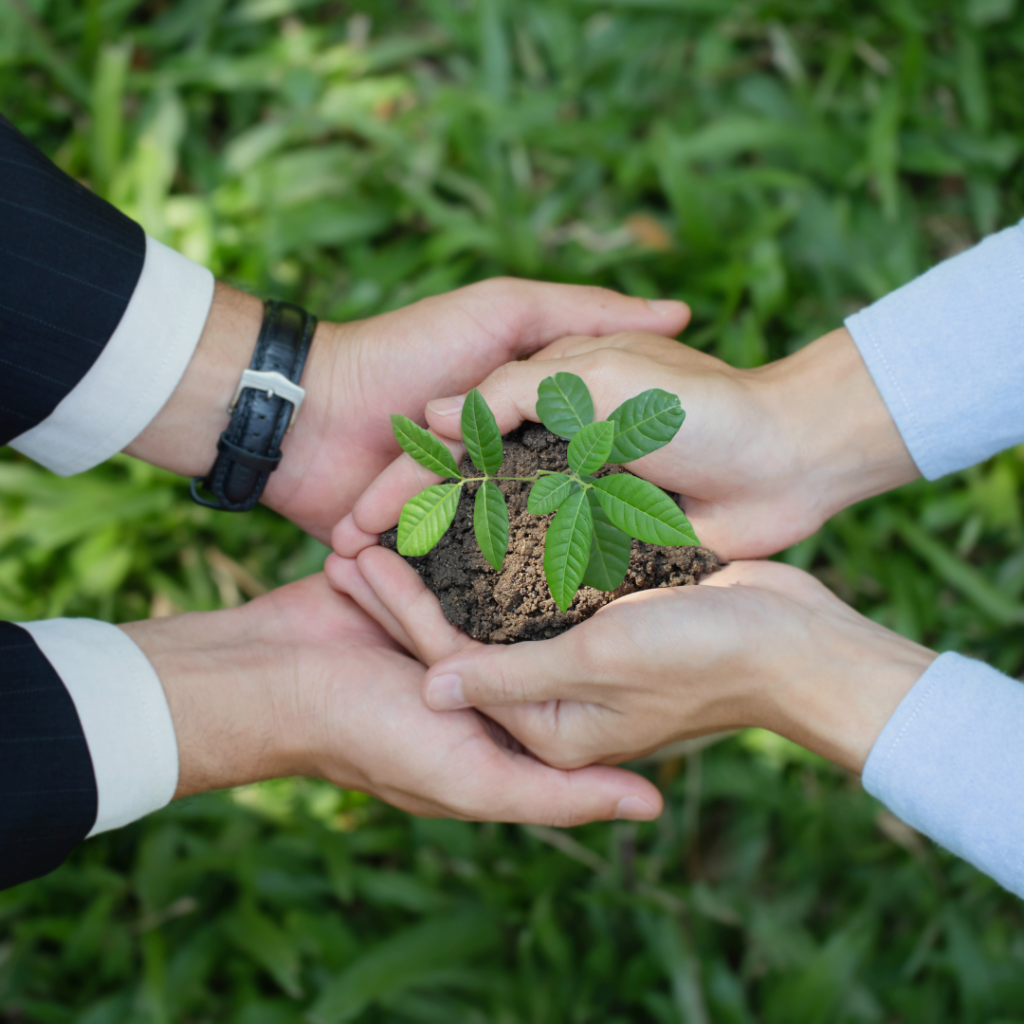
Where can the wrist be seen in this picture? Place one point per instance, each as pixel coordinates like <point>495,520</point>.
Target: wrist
<point>183,435</point>
<point>845,444</point>
<point>228,698</point>
<point>850,684</point>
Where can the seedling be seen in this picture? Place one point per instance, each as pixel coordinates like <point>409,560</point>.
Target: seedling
<point>588,541</point>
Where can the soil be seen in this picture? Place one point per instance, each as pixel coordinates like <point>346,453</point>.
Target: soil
<point>515,603</point>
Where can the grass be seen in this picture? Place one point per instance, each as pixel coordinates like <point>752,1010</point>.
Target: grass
<point>776,164</point>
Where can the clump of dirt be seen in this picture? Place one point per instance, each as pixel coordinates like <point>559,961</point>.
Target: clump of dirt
<point>515,603</point>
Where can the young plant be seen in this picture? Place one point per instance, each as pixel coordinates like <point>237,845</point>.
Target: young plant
<point>588,541</point>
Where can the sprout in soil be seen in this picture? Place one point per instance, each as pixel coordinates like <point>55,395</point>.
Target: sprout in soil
<point>588,541</point>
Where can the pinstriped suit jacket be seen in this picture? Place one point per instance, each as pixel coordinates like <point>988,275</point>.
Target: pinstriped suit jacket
<point>69,263</point>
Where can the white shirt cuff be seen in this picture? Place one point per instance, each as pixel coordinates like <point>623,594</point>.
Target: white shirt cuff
<point>135,373</point>
<point>123,712</point>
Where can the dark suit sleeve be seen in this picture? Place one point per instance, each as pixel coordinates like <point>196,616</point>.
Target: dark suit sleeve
<point>48,797</point>
<point>69,263</point>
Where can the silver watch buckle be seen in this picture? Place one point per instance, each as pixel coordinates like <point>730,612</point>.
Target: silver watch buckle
<point>274,384</point>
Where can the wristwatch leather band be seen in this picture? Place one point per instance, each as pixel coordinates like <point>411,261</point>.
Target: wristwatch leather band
<point>250,449</point>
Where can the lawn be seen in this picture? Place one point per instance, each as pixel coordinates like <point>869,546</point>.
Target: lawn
<point>776,164</point>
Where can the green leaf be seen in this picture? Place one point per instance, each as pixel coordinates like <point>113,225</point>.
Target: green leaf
<point>274,950</point>
<point>425,518</point>
<point>567,548</point>
<point>644,424</point>
<point>490,523</point>
<point>564,404</point>
<point>643,510</point>
<point>589,449</point>
<point>609,551</point>
<point>426,449</point>
<point>406,958</point>
<point>480,434</point>
<point>549,492</point>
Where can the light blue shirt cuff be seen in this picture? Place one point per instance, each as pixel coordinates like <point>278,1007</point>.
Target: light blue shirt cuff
<point>947,353</point>
<point>950,762</point>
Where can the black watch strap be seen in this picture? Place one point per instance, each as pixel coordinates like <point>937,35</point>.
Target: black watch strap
<point>262,411</point>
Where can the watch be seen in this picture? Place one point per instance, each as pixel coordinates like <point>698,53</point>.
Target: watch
<point>263,410</point>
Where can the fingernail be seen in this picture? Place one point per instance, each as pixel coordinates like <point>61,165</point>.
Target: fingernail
<point>447,406</point>
<point>665,307</point>
<point>632,808</point>
<point>444,693</point>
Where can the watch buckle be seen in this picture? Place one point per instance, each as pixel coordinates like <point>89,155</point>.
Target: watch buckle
<point>272,384</point>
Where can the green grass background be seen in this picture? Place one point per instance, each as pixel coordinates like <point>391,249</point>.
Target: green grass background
<point>778,165</point>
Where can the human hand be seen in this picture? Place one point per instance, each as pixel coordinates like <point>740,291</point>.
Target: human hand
<point>301,682</point>
<point>756,644</point>
<point>763,458</point>
<point>359,373</point>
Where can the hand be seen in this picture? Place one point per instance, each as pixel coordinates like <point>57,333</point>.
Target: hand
<point>360,373</point>
<point>301,682</point>
<point>756,644</point>
<point>763,458</point>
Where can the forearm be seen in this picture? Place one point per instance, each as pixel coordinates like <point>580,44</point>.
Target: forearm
<point>223,688</point>
<point>950,763</point>
<point>945,352</point>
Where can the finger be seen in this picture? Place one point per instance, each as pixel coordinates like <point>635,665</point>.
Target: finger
<point>510,393</point>
<point>344,575</point>
<point>408,602</point>
<point>380,505</point>
<point>523,789</point>
<point>571,345</point>
<point>612,375</point>
<point>523,673</point>
<point>532,314</point>
<point>348,539</point>
<point>647,344</point>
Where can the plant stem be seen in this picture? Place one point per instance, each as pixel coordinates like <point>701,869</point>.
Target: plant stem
<point>525,479</point>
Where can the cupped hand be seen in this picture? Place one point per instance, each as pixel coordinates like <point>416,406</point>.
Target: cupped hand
<point>302,682</point>
<point>756,644</point>
<point>360,373</point>
<point>762,459</point>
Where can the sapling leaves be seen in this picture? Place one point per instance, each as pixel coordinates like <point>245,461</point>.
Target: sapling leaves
<point>480,434</point>
<point>564,404</point>
<point>609,551</point>
<point>643,510</point>
<point>425,518</point>
<point>424,447</point>
<point>588,540</point>
<point>567,548</point>
<point>549,492</point>
<point>589,449</point>
<point>644,424</point>
<point>490,522</point>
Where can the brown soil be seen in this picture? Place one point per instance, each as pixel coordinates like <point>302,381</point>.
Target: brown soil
<point>515,603</point>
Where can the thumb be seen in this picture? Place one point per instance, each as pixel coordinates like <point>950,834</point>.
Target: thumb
<point>532,792</point>
<point>510,393</point>
<point>523,673</point>
<point>527,315</point>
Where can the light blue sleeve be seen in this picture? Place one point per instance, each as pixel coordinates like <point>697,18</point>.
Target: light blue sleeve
<point>947,353</point>
<point>950,762</point>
